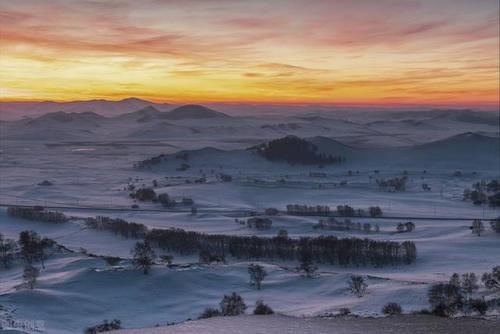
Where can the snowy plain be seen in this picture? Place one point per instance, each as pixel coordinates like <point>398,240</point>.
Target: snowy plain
<point>91,161</point>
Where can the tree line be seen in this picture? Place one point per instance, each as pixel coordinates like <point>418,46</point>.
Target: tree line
<point>37,213</point>
<point>322,249</point>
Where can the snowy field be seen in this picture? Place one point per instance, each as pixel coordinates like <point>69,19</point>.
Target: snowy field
<point>93,171</point>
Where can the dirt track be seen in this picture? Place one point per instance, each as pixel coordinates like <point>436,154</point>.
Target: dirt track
<point>282,324</point>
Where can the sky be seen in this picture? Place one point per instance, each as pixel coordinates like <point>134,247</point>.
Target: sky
<point>240,51</point>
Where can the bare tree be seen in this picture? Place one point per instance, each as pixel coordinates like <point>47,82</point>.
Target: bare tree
<point>257,274</point>
<point>469,283</point>
<point>477,227</point>
<point>357,285</point>
<point>144,256</point>
<point>30,275</point>
<point>7,250</point>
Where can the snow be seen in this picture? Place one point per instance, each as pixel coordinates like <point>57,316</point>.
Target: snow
<point>75,291</point>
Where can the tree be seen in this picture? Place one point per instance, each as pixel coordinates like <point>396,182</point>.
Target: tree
<point>30,275</point>
<point>445,299</point>
<point>29,241</point>
<point>455,280</point>
<point>283,234</point>
<point>469,283</point>
<point>144,256</point>
<point>262,309</point>
<point>7,250</point>
<point>306,260</point>
<point>495,225</point>
<point>232,305</point>
<point>357,285</point>
<point>392,309</point>
<point>410,227</point>
<point>401,228</point>
<point>375,211</point>
<point>492,280</point>
<point>257,274</point>
<point>168,259</point>
<point>477,227</point>
<point>33,247</point>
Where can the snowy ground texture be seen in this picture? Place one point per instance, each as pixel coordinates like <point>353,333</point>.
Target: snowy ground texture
<point>90,162</point>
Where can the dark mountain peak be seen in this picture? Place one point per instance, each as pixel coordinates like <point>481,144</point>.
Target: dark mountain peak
<point>193,111</point>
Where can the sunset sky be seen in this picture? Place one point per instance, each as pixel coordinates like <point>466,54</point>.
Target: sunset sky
<point>274,51</point>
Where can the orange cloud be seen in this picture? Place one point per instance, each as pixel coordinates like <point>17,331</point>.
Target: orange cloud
<point>269,51</point>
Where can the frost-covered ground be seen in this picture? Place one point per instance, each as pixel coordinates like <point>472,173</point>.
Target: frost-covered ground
<point>75,291</point>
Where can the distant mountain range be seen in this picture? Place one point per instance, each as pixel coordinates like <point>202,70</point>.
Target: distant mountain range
<point>143,120</point>
<point>12,110</point>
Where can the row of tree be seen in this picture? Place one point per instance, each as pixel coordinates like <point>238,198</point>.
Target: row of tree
<point>395,184</point>
<point>118,226</point>
<point>334,224</point>
<point>447,299</point>
<point>342,210</point>
<point>477,226</point>
<point>484,192</point>
<point>37,213</point>
<point>322,249</point>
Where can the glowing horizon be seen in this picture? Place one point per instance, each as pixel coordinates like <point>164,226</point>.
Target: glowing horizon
<point>387,52</point>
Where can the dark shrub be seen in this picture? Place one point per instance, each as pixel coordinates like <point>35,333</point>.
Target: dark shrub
<point>210,312</point>
<point>262,309</point>
<point>232,304</point>
<point>344,311</point>
<point>392,309</point>
<point>479,305</point>
<point>104,327</point>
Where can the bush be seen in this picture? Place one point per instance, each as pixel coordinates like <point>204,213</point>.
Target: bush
<point>104,327</point>
<point>392,309</point>
<point>144,195</point>
<point>112,260</point>
<point>232,305</point>
<point>210,312</point>
<point>344,311</point>
<point>479,305</point>
<point>262,309</point>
